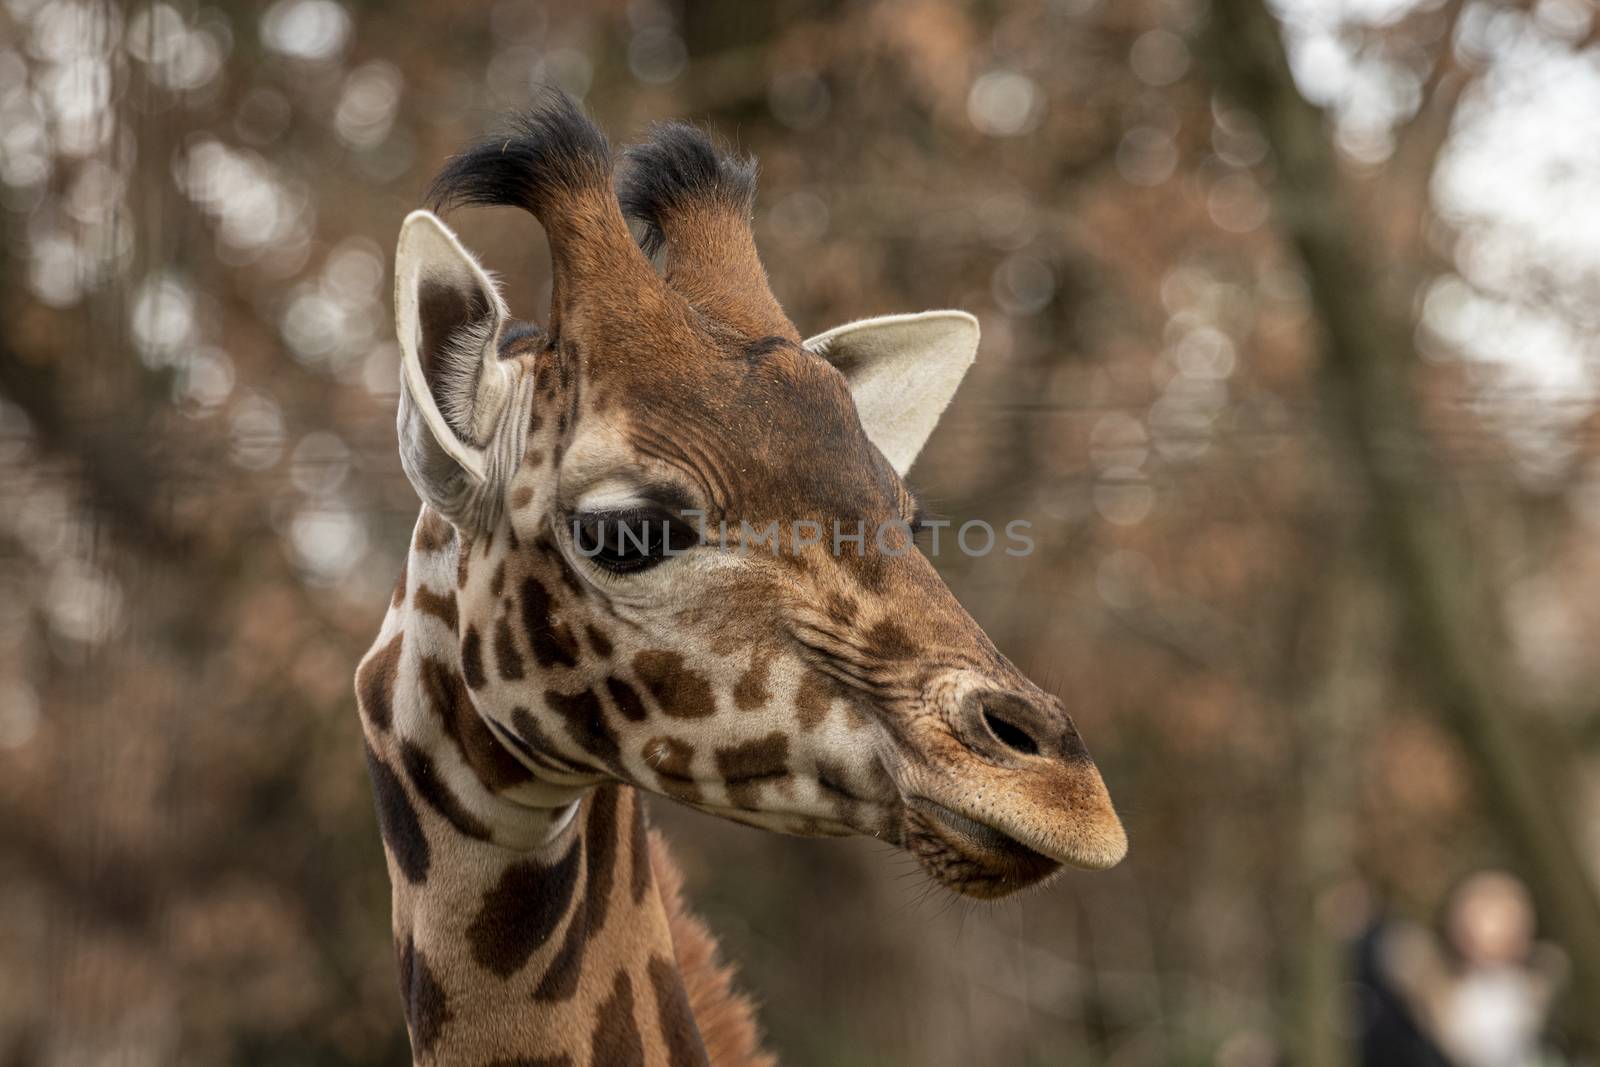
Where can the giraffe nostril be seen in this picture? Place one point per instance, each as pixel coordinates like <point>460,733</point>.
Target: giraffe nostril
<point>1009,733</point>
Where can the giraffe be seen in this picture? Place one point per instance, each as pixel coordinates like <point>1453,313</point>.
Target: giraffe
<point>608,593</point>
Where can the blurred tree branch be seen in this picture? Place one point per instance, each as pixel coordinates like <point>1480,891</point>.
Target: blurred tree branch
<point>113,464</point>
<point>1420,139</point>
<point>115,470</point>
<point>1331,703</point>
<point>1367,353</point>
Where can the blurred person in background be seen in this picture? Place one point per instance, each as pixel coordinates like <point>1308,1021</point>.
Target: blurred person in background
<point>1484,996</point>
<point>1390,1034</point>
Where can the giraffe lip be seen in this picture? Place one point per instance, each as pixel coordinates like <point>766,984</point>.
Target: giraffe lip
<point>983,835</point>
<point>971,857</point>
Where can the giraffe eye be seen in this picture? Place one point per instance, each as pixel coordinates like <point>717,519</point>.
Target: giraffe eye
<point>626,542</point>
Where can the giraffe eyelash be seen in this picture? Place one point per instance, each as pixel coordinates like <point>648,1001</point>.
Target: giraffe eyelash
<point>630,540</point>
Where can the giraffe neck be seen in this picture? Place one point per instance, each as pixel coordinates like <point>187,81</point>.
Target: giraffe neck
<point>530,922</point>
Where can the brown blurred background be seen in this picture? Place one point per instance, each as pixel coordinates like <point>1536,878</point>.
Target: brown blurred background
<point>1288,357</point>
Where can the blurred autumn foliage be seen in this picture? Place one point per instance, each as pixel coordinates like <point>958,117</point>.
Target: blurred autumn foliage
<point>1288,358</point>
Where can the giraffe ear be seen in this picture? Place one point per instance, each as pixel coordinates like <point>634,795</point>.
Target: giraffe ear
<point>453,390</point>
<point>902,370</point>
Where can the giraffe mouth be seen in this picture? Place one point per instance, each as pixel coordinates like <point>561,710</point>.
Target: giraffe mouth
<point>970,857</point>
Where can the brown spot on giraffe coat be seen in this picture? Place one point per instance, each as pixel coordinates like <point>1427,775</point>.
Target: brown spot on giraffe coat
<point>507,658</point>
<point>598,641</point>
<point>552,642</point>
<point>560,979</point>
<point>640,849</point>
<point>601,831</point>
<point>888,640</point>
<point>433,532</point>
<point>375,680</point>
<point>472,659</point>
<point>682,1038</point>
<point>441,606</point>
<point>447,693</point>
<point>601,836</point>
<point>812,699</point>
<point>745,767</point>
<point>681,691</point>
<point>427,1008</point>
<point>397,821</point>
<point>670,758</point>
<point>432,788</point>
<point>627,700</point>
<point>751,691</point>
<point>616,1041</point>
<point>587,725</point>
<point>522,910</point>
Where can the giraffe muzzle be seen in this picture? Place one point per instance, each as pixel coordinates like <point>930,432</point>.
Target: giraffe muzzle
<point>1012,800</point>
<point>988,833</point>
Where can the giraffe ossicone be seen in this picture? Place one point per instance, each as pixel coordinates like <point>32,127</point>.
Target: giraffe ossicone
<point>536,671</point>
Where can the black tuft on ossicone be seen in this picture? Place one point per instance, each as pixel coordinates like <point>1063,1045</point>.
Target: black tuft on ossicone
<point>550,150</point>
<point>677,166</point>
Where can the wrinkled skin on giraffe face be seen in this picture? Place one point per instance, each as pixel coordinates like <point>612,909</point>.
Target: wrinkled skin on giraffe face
<point>829,688</point>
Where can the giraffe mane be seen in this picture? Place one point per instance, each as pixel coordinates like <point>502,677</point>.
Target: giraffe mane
<point>726,1018</point>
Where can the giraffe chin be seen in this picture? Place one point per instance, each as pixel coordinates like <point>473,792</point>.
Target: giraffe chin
<point>969,857</point>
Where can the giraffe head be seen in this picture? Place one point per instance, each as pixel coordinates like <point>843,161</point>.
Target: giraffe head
<point>684,555</point>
